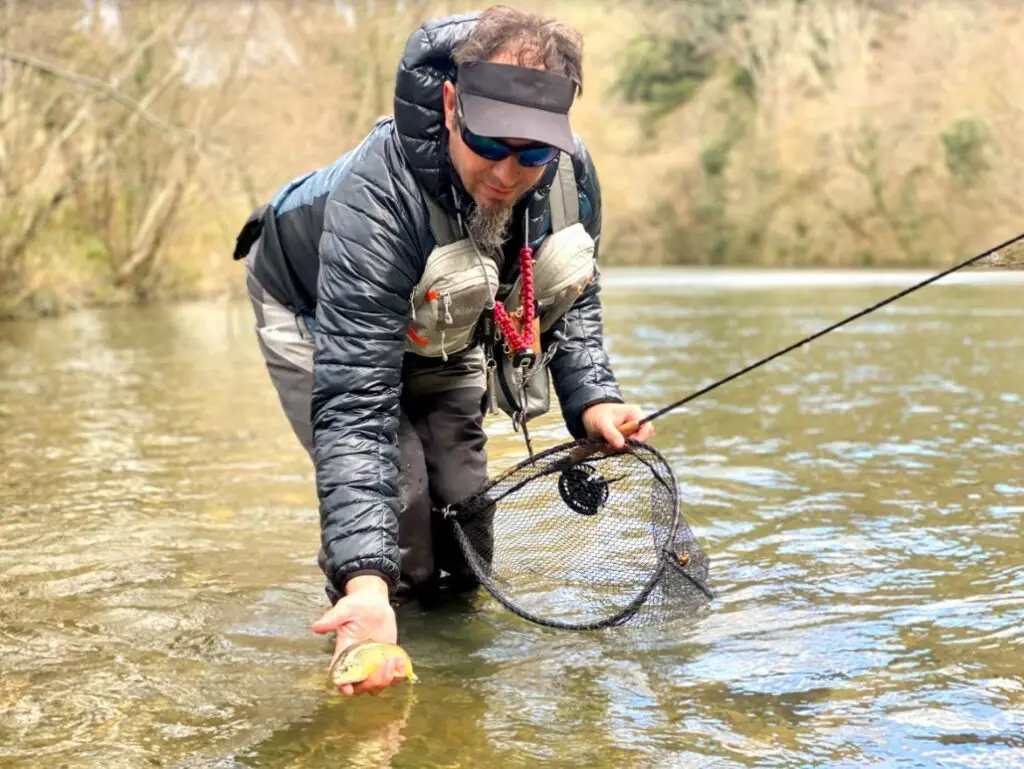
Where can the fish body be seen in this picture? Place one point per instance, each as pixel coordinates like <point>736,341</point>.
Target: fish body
<point>358,662</point>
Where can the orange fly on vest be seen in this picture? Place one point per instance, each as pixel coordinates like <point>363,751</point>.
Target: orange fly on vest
<point>431,296</point>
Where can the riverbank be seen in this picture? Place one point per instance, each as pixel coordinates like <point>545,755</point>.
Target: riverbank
<point>229,283</point>
<point>851,144</point>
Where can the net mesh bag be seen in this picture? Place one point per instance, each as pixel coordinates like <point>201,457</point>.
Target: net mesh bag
<point>584,537</point>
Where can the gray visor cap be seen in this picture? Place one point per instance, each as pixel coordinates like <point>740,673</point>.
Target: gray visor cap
<point>504,101</point>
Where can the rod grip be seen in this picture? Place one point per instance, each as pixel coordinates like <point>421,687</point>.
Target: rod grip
<point>629,427</point>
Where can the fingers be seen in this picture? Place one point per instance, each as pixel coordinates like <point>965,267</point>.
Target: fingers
<point>628,422</point>
<point>645,433</point>
<point>391,672</point>
<point>615,425</point>
<point>386,675</point>
<point>610,432</point>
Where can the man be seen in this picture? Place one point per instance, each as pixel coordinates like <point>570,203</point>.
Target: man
<point>373,278</point>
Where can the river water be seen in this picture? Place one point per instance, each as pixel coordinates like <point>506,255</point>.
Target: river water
<point>861,501</point>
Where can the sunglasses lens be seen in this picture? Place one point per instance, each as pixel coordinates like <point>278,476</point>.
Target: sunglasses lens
<point>485,147</point>
<point>492,149</point>
<point>537,156</point>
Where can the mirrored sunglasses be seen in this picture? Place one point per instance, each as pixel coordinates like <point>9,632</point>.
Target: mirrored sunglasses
<point>529,156</point>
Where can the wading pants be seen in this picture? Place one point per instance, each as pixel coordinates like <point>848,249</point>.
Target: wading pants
<point>441,443</point>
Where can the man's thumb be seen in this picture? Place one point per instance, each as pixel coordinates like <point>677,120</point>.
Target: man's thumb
<point>333,618</point>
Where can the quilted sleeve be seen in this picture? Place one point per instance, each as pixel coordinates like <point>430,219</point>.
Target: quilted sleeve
<point>372,255</point>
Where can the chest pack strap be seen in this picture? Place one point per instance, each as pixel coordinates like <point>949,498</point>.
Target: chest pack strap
<point>565,208</point>
<point>444,227</point>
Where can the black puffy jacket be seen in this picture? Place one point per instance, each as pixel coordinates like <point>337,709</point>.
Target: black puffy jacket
<point>349,243</point>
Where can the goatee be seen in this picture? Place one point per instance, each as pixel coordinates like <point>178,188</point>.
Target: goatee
<point>489,226</point>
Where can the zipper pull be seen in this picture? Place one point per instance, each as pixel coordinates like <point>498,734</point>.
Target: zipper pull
<point>447,305</point>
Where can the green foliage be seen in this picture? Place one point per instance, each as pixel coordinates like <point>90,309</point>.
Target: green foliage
<point>663,73</point>
<point>715,157</point>
<point>819,56</point>
<point>965,144</point>
<point>95,251</point>
<point>743,83</point>
<point>667,68</point>
<point>143,74</point>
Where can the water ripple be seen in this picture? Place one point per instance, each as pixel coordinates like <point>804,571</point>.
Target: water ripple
<point>861,502</point>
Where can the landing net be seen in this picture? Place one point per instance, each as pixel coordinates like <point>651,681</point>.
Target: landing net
<point>583,537</point>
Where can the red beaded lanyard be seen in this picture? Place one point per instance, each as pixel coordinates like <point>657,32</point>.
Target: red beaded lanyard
<point>519,342</point>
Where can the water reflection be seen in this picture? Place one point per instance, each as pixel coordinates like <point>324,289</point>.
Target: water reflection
<point>861,501</point>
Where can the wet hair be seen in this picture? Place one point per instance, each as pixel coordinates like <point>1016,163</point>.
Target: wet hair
<point>533,40</point>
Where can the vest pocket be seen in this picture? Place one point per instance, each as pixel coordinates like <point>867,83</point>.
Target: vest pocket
<point>449,299</point>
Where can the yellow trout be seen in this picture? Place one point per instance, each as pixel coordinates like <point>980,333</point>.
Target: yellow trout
<point>361,659</point>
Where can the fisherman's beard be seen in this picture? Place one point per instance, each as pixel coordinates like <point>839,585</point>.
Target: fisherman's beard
<point>489,226</point>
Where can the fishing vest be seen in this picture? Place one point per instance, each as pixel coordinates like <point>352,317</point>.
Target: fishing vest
<point>450,305</point>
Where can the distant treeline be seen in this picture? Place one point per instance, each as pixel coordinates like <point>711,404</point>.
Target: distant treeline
<point>135,136</point>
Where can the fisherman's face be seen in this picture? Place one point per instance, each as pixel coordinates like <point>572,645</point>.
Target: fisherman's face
<point>494,184</point>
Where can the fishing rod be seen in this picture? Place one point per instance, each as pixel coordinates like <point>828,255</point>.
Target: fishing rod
<point>631,427</point>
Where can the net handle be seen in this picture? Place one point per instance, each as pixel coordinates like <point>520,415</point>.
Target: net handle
<point>627,429</point>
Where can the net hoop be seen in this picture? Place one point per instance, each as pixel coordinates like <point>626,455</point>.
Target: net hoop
<point>576,453</point>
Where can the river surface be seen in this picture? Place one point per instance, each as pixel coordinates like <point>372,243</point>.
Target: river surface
<point>861,502</point>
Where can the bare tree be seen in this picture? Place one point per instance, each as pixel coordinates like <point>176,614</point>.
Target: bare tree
<point>120,149</point>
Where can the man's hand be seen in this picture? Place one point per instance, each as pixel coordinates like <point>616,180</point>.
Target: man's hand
<point>364,613</point>
<point>604,420</point>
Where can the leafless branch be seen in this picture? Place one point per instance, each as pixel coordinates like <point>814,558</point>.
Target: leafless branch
<point>123,70</point>
<point>151,233</point>
<point>99,86</point>
<point>77,174</point>
<point>136,108</point>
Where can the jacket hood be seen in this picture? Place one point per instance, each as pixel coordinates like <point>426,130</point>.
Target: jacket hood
<point>419,104</point>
